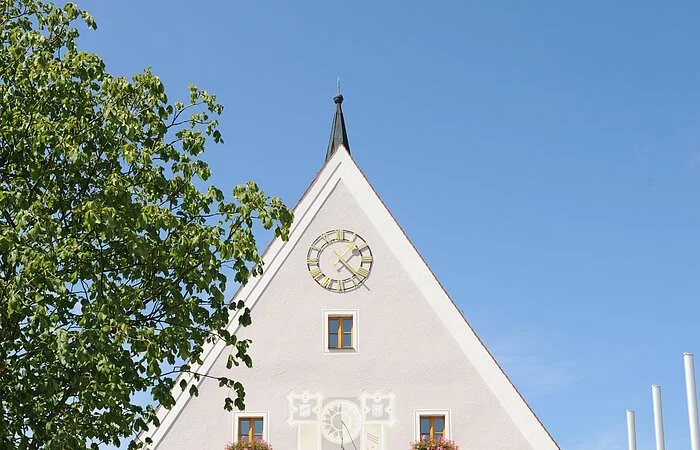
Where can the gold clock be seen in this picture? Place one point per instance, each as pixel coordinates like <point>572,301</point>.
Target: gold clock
<point>339,260</point>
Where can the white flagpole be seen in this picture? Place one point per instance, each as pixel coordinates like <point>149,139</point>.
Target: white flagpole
<point>692,398</point>
<point>631,432</point>
<point>658,416</point>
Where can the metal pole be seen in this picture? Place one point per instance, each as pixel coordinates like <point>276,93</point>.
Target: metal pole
<point>631,432</point>
<point>692,398</point>
<point>658,416</point>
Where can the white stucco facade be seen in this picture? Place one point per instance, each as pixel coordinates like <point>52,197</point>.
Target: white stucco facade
<point>414,353</point>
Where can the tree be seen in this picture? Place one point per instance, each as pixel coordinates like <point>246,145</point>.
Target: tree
<point>112,248</point>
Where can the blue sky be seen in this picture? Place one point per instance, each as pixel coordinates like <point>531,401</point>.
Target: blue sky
<point>544,157</point>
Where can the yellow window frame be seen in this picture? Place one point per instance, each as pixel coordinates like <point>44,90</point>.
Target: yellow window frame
<point>251,427</point>
<point>339,331</point>
<point>432,420</point>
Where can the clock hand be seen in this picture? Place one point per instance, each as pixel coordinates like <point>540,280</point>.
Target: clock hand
<point>351,246</point>
<point>345,263</point>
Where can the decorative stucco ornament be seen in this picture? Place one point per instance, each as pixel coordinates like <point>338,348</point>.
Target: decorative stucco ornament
<point>341,421</point>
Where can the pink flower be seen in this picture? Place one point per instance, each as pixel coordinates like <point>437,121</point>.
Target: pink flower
<point>440,444</point>
<point>245,445</point>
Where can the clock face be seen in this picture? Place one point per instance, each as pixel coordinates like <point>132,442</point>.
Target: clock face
<point>339,260</point>
<point>341,421</point>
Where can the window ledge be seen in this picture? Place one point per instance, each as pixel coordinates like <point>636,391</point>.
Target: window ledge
<point>341,350</point>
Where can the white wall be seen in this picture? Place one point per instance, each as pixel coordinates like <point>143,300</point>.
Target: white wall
<point>404,350</point>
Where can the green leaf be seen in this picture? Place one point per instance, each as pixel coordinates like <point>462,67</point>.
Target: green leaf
<point>113,243</point>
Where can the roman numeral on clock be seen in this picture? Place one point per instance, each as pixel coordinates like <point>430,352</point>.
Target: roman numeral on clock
<point>343,254</point>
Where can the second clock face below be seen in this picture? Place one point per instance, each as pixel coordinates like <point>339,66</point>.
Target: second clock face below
<point>341,421</point>
<point>339,260</point>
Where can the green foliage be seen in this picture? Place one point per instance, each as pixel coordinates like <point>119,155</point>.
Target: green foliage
<point>111,257</point>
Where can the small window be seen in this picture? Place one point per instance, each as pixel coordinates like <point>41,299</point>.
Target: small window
<point>250,429</point>
<point>340,332</point>
<point>432,428</point>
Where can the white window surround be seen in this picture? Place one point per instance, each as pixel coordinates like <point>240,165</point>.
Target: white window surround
<point>433,412</point>
<point>245,414</point>
<point>327,313</point>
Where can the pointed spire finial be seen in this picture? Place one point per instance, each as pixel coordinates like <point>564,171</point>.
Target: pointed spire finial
<point>338,99</point>
<point>339,135</point>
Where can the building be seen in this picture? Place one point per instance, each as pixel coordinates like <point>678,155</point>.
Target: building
<point>356,345</point>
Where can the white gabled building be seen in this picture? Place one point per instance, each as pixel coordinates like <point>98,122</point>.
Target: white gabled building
<point>356,345</point>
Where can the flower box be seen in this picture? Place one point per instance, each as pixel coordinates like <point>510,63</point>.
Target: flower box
<point>254,445</point>
<point>440,444</point>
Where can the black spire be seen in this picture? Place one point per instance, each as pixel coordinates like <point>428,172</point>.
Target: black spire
<point>339,136</point>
